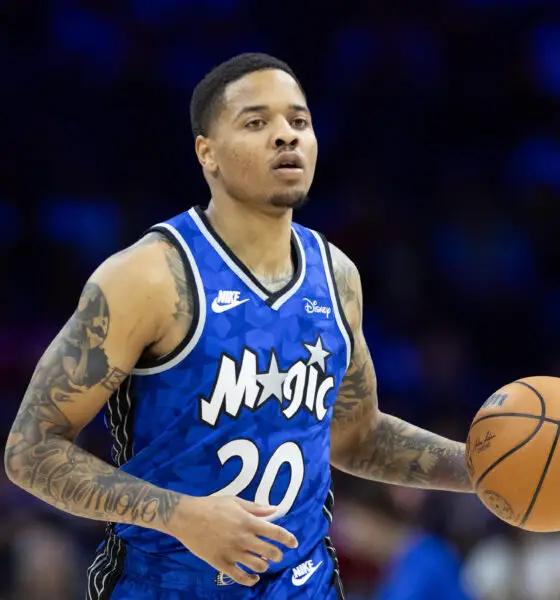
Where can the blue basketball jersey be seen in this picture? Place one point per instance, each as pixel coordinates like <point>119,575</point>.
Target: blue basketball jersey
<point>243,405</point>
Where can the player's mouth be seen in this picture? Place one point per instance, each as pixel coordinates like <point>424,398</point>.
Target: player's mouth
<point>288,165</point>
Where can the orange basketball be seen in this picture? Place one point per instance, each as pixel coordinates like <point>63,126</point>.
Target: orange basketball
<point>513,455</point>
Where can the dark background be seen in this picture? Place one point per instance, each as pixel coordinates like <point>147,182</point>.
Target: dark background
<point>439,175</point>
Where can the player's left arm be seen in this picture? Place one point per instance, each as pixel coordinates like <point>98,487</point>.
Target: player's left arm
<point>369,443</point>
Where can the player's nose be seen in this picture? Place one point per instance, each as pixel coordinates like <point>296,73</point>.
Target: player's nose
<point>285,135</point>
<point>286,140</point>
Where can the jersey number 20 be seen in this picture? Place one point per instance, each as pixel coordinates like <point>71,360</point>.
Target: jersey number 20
<point>248,452</point>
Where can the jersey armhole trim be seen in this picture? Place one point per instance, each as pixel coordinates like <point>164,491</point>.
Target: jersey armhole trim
<point>186,346</point>
<point>335,296</point>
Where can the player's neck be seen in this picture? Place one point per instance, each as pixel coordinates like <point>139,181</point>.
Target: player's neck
<point>261,241</point>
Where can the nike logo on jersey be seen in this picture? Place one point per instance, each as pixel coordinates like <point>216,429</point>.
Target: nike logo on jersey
<point>302,573</point>
<point>226,300</point>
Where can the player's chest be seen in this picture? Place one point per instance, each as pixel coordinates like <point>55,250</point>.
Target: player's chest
<point>286,380</point>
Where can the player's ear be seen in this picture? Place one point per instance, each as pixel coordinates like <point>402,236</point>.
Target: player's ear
<point>206,155</point>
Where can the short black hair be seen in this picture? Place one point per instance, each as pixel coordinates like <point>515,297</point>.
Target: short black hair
<point>209,92</point>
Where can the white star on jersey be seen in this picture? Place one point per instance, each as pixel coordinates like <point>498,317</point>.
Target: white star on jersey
<point>271,381</point>
<point>317,354</point>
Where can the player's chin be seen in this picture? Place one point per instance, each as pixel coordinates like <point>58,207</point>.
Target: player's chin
<point>292,199</point>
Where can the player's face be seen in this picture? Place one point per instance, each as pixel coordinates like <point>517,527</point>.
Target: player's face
<point>263,149</point>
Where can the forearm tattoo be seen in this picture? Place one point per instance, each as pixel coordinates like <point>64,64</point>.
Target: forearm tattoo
<point>379,446</point>
<point>397,452</point>
<point>40,454</point>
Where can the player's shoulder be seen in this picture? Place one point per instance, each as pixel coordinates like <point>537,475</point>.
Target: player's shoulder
<point>348,285</point>
<point>343,265</point>
<point>144,275</point>
<point>346,276</point>
<point>142,263</point>
<point>344,270</point>
<point>145,284</point>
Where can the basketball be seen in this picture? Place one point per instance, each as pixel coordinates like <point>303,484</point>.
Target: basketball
<point>512,454</point>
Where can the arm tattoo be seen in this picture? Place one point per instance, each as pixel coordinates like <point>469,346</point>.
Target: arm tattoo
<point>184,304</point>
<point>374,445</point>
<point>397,452</point>
<point>348,285</point>
<point>114,379</point>
<point>356,401</point>
<point>40,455</point>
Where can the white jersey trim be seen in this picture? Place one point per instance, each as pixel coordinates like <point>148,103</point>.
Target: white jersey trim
<point>334,298</point>
<point>201,297</point>
<point>225,257</point>
<point>285,297</point>
<point>239,272</point>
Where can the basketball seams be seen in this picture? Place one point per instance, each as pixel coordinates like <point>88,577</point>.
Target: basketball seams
<point>516,414</point>
<point>542,420</point>
<point>539,395</point>
<point>510,452</point>
<point>543,476</point>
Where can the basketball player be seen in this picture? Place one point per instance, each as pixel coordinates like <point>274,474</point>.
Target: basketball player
<point>227,345</point>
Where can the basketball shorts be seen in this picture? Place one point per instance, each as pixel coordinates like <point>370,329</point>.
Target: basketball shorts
<point>120,572</point>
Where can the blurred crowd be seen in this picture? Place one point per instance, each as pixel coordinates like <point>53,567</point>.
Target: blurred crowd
<point>439,175</point>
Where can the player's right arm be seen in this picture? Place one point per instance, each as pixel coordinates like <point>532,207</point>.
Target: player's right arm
<point>119,313</point>
<point>137,299</point>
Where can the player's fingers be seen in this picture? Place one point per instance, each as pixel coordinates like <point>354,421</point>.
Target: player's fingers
<point>258,510</point>
<point>238,575</point>
<point>255,563</point>
<point>274,532</point>
<point>266,550</point>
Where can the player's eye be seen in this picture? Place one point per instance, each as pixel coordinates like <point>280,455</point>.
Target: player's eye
<point>255,124</point>
<point>300,122</point>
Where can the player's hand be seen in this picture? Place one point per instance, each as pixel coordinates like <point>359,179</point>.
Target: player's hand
<point>225,531</point>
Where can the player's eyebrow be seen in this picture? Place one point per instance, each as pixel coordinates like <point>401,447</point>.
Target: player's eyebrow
<point>250,109</point>
<point>300,108</point>
<point>263,108</point>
